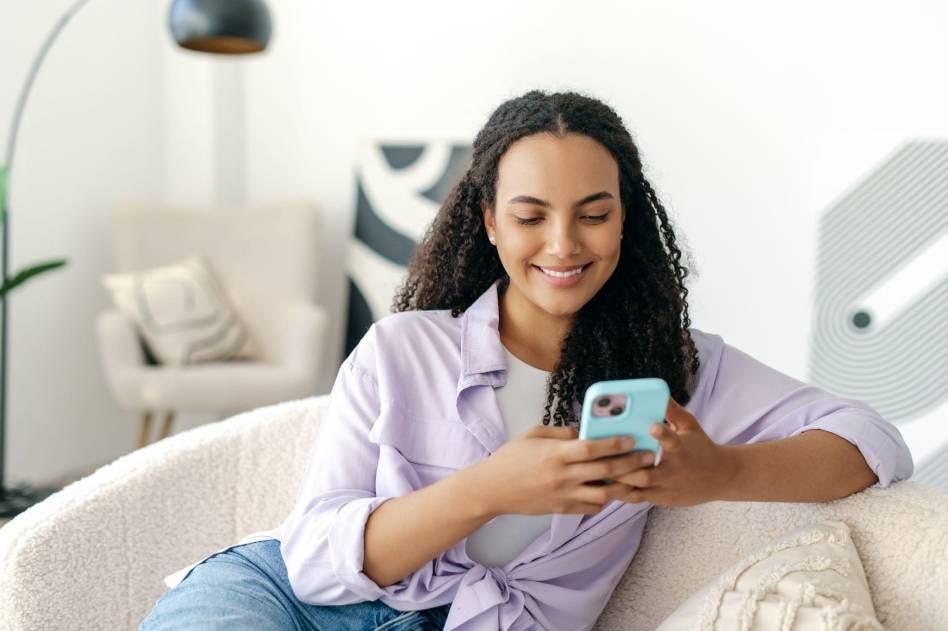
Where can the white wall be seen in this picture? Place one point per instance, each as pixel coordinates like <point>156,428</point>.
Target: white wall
<point>749,117</point>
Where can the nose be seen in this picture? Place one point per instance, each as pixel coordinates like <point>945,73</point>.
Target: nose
<point>562,242</point>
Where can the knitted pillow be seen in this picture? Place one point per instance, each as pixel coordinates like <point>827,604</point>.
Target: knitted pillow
<point>182,312</point>
<point>811,578</point>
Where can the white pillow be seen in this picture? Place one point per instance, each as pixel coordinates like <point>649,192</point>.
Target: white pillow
<point>810,578</point>
<point>183,313</point>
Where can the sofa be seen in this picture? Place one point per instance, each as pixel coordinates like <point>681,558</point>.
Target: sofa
<point>93,555</point>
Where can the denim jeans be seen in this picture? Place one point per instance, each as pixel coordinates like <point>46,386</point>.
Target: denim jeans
<point>246,587</point>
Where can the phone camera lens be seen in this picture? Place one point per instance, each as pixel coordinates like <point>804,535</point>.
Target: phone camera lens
<point>603,402</point>
<point>616,411</point>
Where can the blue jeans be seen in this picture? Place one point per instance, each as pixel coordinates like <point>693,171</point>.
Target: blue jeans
<point>246,587</point>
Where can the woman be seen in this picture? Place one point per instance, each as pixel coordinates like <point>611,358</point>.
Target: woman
<point>448,488</point>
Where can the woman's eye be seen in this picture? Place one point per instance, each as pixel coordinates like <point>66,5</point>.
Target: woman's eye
<point>534,220</point>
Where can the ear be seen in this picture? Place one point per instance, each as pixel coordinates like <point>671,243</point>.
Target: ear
<point>488,217</point>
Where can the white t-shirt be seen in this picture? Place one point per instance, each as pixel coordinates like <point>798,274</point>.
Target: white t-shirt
<point>521,402</point>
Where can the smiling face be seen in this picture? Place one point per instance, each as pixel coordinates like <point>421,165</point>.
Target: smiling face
<point>557,221</point>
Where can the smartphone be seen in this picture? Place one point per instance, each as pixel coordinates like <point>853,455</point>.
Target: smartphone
<point>625,407</point>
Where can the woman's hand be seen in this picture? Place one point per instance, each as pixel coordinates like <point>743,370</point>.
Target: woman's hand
<point>545,470</point>
<point>693,468</point>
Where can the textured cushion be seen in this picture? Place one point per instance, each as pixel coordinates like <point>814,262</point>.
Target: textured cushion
<point>809,579</point>
<point>183,313</point>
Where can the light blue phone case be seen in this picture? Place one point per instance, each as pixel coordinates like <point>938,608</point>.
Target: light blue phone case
<point>647,400</point>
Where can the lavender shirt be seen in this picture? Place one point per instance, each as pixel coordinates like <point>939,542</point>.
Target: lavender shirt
<point>414,403</point>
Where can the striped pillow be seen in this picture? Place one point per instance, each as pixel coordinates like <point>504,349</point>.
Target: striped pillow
<point>182,312</point>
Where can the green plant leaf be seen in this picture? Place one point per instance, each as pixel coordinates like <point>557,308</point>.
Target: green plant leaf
<point>25,274</point>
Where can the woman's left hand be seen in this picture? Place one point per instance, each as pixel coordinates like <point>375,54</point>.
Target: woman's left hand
<point>693,468</point>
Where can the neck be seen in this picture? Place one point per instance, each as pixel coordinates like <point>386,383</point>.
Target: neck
<point>531,334</point>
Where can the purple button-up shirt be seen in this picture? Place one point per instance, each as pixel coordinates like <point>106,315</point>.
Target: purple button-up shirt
<point>414,403</point>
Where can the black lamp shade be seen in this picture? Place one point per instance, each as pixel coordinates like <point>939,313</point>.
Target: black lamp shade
<point>230,27</point>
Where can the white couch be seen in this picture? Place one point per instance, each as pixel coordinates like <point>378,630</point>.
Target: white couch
<point>93,555</point>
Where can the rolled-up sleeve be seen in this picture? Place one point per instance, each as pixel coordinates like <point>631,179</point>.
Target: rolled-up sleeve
<point>742,400</point>
<point>322,539</point>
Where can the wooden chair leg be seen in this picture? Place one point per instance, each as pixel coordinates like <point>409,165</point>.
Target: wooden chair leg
<point>166,425</point>
<point>143,429</point>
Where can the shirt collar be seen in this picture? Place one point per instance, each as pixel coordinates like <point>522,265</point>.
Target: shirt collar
<point>482,353</point>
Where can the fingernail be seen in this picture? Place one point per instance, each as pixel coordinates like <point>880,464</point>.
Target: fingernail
<point>648,459</point>
<point>628,443</point>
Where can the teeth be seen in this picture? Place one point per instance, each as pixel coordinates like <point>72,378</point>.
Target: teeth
<point>550,272</point>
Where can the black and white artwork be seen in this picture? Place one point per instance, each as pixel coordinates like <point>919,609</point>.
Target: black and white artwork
<point>399,188</point>
<point>880,319</point>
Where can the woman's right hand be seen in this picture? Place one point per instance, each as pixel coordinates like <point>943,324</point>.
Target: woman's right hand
<point>547,470</point>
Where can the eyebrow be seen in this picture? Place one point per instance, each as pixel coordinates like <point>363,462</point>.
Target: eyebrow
<point>527,199</point>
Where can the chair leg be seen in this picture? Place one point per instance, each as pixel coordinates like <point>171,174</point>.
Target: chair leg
<point>166,425</point>
<point>143,429</point>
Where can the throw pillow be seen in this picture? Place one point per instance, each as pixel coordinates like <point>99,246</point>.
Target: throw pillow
<point>810,578</point>
<point>182,312</point>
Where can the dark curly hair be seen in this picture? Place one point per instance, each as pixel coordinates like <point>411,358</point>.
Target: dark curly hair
<point>637,324</point>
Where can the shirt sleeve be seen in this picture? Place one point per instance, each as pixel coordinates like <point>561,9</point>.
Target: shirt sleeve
<point>322,539</point>
<point>741,400</point>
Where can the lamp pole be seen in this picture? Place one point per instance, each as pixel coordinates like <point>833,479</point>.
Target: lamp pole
<point>232,27</point>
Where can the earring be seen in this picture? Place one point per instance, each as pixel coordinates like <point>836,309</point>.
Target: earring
<point>490,238</point>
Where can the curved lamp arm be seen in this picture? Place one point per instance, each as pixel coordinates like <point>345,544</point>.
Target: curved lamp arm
<point>34,69</point>
<point>7,284</point>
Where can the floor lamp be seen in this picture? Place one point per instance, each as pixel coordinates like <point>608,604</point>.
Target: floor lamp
<point>230,27</point>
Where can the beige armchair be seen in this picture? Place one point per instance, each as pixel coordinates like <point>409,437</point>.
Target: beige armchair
<point>266,257</point>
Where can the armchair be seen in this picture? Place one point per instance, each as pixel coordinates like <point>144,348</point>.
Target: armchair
<point>266,258</point>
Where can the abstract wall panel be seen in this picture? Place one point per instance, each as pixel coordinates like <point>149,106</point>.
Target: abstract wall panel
<point>399,188</point>
<point>880,322</point>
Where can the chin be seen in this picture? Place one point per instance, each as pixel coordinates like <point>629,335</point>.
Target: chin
<point>562,306</point>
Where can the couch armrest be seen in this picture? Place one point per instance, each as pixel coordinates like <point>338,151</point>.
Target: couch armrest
<point>93,555</point>
<point>900,532</point>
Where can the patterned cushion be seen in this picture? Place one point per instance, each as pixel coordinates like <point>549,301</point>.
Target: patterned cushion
<point>811,578</point>
<point>182,312</point>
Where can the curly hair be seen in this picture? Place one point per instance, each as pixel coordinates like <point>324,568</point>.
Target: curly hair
<point>637,324</point>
